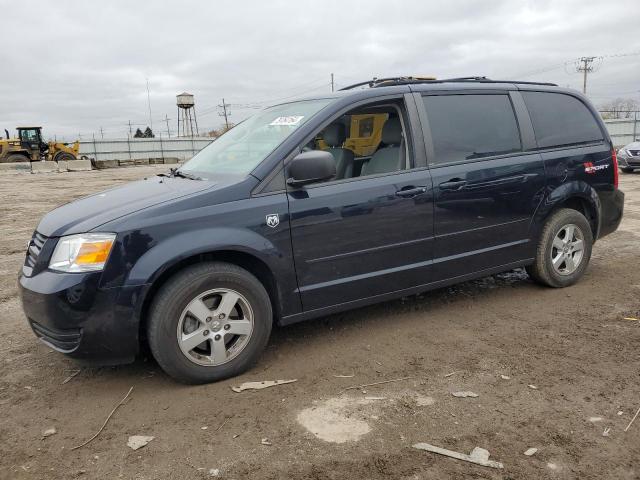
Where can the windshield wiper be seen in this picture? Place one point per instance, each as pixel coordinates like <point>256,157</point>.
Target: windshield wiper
<point>175,172</point>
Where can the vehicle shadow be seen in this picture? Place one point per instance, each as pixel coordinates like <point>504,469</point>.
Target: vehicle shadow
<point>377,315</point>
<point>316,333</point>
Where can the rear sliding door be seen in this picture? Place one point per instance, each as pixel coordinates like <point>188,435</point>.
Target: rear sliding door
<point>486,185</point>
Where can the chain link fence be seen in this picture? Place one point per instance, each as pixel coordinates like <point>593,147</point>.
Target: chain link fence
<point>625,128</point>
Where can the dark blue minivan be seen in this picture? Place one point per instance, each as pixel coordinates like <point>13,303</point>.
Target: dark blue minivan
<point>281,220</point>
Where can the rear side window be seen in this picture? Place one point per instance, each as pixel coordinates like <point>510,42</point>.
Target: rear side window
<point>560,119</point>
<point>468,127</point>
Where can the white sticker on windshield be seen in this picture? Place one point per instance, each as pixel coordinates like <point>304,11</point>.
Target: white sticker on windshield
<point>288,121</point>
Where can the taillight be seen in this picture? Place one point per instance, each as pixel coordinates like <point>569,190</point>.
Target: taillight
<point>614,157</point>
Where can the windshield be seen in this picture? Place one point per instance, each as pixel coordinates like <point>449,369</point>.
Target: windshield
<point>243,147</point>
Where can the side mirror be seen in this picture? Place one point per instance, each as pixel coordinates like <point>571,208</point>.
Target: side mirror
<point>310,167</point>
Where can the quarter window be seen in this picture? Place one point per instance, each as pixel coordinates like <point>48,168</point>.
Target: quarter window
<point>468,127</point>
<point>560,119</point>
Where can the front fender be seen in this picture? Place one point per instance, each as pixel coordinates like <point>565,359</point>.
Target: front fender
<point>171,251</point>
<point>560,194</point>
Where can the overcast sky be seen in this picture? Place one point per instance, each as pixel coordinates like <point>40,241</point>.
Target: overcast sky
<point>76,66</point>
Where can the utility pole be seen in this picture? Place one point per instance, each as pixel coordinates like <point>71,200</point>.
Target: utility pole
<point>130,131</point>
<point>149,104</point>
<point>102,133</point>
<point>332,86</point>
<point>585,66</point>
<point>224,113</point>
<point>166,119</point>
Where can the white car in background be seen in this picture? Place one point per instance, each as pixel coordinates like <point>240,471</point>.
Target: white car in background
<point>629,157</point>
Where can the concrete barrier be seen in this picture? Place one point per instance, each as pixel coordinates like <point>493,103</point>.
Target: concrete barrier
<point>15,167</point>
<point>79,165</point>
<point>100,164</point>
<point>44,167</point>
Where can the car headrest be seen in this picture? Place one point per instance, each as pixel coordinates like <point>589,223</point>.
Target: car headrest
<point>334,135</point>
<point>392,132</point>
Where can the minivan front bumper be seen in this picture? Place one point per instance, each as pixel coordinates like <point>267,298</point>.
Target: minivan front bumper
<point>71,314</point>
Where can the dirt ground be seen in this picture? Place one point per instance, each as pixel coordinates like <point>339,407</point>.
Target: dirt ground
<point>573,345</point>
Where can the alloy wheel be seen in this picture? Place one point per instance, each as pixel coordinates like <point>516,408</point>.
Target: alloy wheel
<point>215,327</point>
<point>567,249</point>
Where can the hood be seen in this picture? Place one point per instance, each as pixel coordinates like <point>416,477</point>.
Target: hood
<point>90,212</point>
<point>632,146</point>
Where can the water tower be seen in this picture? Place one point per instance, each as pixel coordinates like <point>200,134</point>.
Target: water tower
<point>187,115</point>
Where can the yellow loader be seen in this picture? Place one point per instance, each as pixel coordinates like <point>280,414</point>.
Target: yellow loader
<point>29,147</point>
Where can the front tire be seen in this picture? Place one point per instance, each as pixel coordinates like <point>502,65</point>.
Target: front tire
<point>627,169</point>
<point>209,322</point>
<point>564,249</point>
<point>64,157</point>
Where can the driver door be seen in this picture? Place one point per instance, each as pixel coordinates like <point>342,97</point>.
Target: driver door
<point>368,235</point>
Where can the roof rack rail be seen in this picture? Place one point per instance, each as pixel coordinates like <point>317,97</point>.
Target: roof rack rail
<point>385,82</point>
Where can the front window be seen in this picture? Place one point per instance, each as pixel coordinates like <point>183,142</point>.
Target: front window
<point>243,147</point>
<point>29,135</point>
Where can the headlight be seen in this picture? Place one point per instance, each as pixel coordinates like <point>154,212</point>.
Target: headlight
<point>86,252</point>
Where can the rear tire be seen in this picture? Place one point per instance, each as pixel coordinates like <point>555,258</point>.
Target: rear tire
<point>564,249</point>
<point>219,303</point>
<point>15,158</point>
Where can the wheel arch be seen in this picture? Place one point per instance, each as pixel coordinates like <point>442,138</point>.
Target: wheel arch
<point>248,261</point>
<point>576,195</point>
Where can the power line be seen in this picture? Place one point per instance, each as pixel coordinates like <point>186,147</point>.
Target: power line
<point>569,62</point>
<point>297,94</point>
<point>615,55</point>
<point>542,70</point>
<point>258,104</point>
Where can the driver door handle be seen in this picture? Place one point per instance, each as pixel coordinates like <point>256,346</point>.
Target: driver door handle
<point>411,192</point>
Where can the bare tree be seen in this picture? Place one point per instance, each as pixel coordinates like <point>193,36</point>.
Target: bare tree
<point>619,108</point>
<point>219,131</point>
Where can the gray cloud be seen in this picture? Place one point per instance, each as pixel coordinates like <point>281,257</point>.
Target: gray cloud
<point>74,67</point>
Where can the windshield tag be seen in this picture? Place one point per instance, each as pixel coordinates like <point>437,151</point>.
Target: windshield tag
<point>288,121</point>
